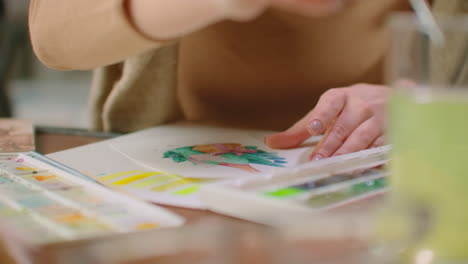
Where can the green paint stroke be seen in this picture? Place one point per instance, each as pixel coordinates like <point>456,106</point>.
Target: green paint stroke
<point>285,192</point>
<point>187,191</point>
<point>368,186</point>
<point>345,194</point>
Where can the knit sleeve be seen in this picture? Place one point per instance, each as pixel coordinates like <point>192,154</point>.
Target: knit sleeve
<point>84,34</point>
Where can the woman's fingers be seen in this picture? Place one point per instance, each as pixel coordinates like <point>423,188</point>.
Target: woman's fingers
<point>290,138</point>
<point>352,116</point>
<point>316,122</point>
<point>362,137</point>
<point>380,141</point>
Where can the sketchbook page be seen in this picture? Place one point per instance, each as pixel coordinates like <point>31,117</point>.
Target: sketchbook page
<point>103,163</point>
<point>209,152</point>
<point>117,172</point>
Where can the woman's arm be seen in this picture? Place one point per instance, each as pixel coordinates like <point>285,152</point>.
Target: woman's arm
<point>168,19</point>
<point>85,34</point>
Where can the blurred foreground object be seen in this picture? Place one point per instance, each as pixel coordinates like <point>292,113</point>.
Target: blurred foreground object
<point>429,133</point>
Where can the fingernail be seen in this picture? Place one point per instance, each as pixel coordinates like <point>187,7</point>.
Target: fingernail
<point>317,157</point>
<point>315,127</point>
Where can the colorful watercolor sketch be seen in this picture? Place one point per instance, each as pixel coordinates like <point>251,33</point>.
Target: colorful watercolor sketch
<point>232,155</point>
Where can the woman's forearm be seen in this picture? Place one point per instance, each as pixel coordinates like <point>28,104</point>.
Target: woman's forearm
<point>86,34</point>
<point>83,34</point>
<point>167,19</point>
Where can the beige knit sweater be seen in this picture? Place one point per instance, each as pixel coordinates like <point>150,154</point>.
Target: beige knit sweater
<point>139,91</point>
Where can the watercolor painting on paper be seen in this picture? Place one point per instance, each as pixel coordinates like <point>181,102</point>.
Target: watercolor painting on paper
<point>233,155</point>
<point>210,153</point>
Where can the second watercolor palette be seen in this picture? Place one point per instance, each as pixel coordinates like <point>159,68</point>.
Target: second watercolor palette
<point>323,186</point>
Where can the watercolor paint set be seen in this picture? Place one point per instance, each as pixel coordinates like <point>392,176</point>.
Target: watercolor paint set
<point>90,200</point>
<point>317,187</point>
<point>44,203</point>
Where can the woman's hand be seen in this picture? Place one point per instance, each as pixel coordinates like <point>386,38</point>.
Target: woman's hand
<point>352,119</point>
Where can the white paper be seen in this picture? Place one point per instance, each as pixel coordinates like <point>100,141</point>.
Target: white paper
<point>210,153</point>
<point>99,160</point>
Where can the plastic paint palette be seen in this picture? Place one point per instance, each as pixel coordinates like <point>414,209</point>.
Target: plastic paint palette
<point>333,189</point>
<point>320,186</point>
<point>42,202</point>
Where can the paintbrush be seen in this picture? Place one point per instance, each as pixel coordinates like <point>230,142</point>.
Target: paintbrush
<point>433,36</point>
<point>437,37</point>
<point>428,22</point>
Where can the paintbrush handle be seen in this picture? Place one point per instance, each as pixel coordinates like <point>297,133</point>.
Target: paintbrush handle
<point>428,21</point>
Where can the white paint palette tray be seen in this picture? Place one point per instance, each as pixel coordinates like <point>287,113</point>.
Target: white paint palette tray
<point>44,203</point>
<point>306,190</point>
